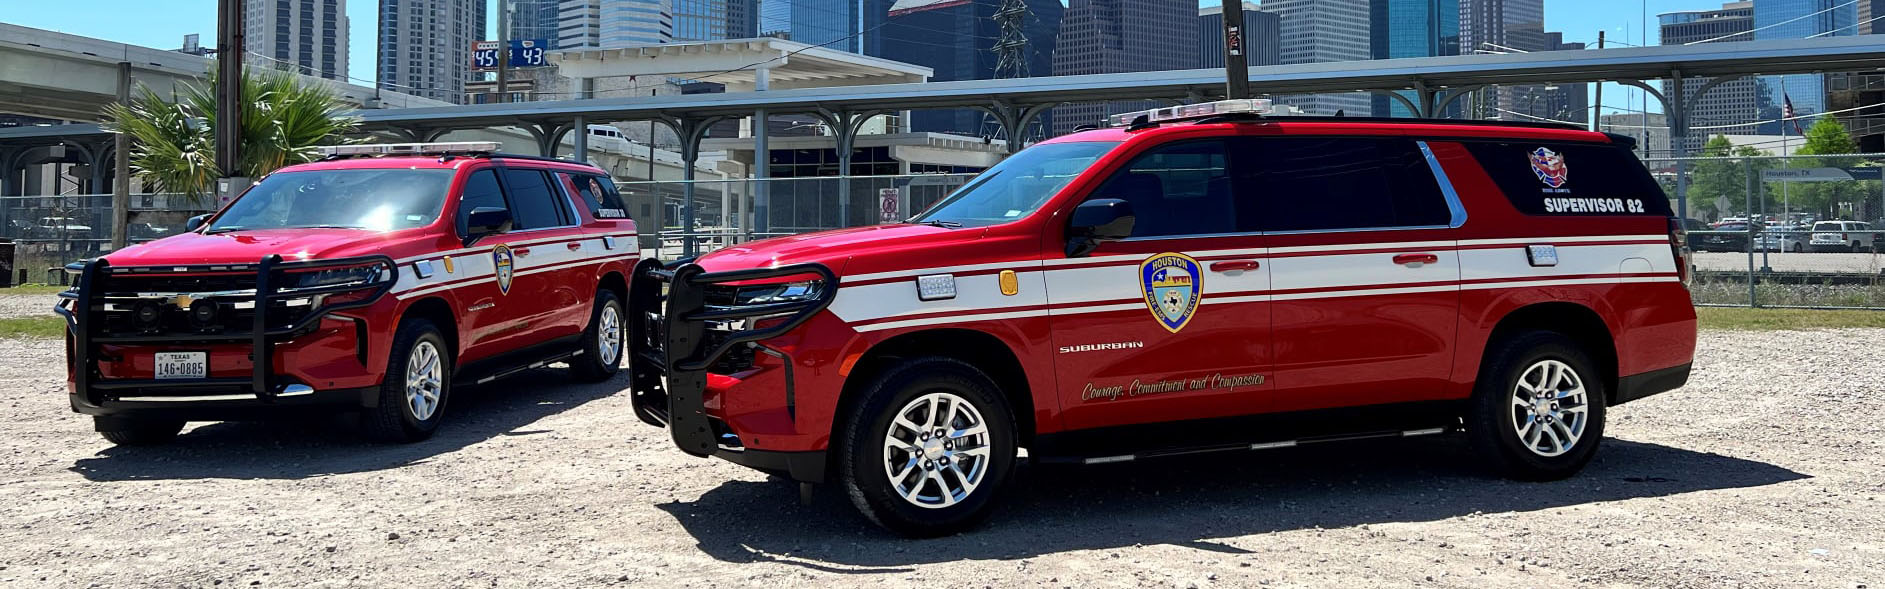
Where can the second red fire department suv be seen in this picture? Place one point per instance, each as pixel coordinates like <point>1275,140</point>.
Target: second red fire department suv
<point>1192,279</point>
<point>371,280</point>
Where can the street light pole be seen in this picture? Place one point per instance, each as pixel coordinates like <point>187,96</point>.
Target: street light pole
<point>1236,63</point>
<point>229,47</point>
<point>504,51</point>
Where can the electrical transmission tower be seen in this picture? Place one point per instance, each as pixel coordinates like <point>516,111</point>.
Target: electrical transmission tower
<point>1011,54</point>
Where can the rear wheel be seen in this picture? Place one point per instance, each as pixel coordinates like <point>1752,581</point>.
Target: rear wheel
<point>928,448</point>
<point>416,386</point>
<point>138,432</point>
<point>603,341</point>
<point>1537,412</point>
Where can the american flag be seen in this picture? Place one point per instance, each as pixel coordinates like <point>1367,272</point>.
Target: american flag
<point>1786,113</point>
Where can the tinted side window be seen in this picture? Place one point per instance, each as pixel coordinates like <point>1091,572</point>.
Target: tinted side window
<point>1178,189</point>
<point>1571,179</point>
<point>533,202</point>
<point>598,193</point>
<point>1312,183</point>
<point>481,191</point>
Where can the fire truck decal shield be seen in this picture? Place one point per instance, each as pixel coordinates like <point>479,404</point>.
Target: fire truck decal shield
<point>1550,168</point>
<point>1172,284</point>
<point>505,263</point>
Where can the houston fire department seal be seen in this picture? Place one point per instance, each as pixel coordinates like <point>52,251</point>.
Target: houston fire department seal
<point>1173,285</point>
<point>1550,168</point>
<point>505,263</point>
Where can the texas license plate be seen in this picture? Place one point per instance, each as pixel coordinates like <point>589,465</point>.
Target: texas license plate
<point>180,365</point>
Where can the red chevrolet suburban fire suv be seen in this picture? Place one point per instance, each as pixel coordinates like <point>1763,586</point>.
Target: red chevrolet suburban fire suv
<point>373,280</point>
<point>1194,278</point>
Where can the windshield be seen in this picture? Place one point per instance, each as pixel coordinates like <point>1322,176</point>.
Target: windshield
<point>1016,186</point>
<point>377,200</point>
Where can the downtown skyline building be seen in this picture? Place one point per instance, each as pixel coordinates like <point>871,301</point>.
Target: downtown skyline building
<point>832,24</point>
<point>1411,28</point>
<point>1800,19</point>
<point>1263,36</point>
<point>1118,36</point>
<point>1734,101</point>
<point>613,23</point>
<point>955,39</point>
<point>425,46</point>
<point>303,36</point>
<point>1320,31</point>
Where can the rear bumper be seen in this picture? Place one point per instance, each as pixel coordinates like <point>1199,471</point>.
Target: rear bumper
<point>1637,386</point>
<point>226,406</point>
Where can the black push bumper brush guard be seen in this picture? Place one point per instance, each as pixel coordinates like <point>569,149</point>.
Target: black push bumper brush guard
<point>85,330</point>
<point>675,345</point>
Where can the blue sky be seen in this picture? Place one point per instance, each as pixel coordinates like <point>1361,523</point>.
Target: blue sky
<point>144,22</point>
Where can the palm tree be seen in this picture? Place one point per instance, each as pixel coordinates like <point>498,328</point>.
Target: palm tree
<point>283,120</point>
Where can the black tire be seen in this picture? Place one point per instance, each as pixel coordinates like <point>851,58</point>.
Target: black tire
<point>138,432</point>
<point>861,456</point>
<point>591,365</point>
<point>395,419</point>
<point>1493,420</point>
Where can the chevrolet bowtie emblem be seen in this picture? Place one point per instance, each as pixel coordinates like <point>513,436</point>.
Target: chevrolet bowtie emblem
<point>182,301</point>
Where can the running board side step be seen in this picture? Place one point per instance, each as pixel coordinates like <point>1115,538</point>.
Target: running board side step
<point>1166,453</point>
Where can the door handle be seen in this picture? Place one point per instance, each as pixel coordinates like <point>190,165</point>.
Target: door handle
<point>1235,266</point>
<point>575,245</point>
<point>1416,260</point>
<point>520,251</point>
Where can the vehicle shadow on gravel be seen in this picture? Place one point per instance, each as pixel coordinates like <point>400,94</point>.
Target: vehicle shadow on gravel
<point>331,444</point>
<point>1190,501</point>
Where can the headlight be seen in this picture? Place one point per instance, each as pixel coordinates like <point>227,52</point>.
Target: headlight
<point>783,292</point>
<point>346,276</point>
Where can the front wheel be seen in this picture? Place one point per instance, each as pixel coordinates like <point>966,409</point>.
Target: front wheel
<point>928,448</point>
<point>417,384</point>
<point>603,341</point>
<point>1537,413</point>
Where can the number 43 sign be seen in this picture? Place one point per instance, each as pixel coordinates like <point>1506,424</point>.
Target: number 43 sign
<point>523,53</point>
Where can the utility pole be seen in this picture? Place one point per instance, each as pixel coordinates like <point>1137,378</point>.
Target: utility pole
<point>121,169</point>
<point>504,52</point>
<point>1597,109</point>
<point>229,48</point>
<point>1236,64</point>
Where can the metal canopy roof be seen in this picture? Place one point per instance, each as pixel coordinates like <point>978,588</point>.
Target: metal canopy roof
<point>1834,54</point>
<point>789,64</point>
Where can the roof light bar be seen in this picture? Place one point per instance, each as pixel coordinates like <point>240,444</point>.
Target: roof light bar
<point>1258,106</point>
<point>444,148</point>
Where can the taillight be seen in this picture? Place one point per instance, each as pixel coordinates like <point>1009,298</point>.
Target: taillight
<point>1679,248</point>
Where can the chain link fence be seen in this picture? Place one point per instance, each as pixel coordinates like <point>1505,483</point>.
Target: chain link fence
<point>1802,231</point>
<point>724,211</point>
<point>40,234</point>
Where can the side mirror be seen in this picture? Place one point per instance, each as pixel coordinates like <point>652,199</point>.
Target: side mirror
<point>1097,221</point>
<point>195,223</point>
<point>486,221</point>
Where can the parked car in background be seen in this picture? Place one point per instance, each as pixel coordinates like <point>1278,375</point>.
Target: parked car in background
<point>1723,237</point>
<point>1841,236</point>
<point>1788,238</point>
<point>62,227</point>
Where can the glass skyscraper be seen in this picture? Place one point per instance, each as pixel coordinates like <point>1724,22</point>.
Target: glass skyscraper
<point>1411,28</point>
<point>831,23</point>
<point>1815,18</point>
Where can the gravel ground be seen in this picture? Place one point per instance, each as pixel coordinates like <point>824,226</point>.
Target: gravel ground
<point>1766,470</point>
<point>13,305</point>
<point>1826,263</point>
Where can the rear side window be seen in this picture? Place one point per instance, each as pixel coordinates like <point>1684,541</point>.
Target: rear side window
<point>599,194</point>
<point>533,203</point>
<point>1317,183</point>
<point>1542,178</point>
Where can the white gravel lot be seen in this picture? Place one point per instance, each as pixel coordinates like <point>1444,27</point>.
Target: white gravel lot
<point>1767,470</point>
<point>33,305</point>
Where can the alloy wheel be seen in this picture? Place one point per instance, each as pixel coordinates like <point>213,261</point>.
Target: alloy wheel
<point>1550,408</point>
<point>424,374</point>
<point>609,336</point>
<point>937,450</point>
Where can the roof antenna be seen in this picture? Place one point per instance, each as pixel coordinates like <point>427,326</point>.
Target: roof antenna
<point>1141,122</point>
<point>1338,112</point>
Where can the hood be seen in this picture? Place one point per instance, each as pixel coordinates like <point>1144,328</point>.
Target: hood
<point>248,247</point>
<point>831,248</point>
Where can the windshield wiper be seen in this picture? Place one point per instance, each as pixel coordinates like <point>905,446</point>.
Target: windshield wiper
<point>938,223</point>
<point>224,229</point>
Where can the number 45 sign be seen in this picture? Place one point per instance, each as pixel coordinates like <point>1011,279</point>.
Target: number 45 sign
<point>523,53</point>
